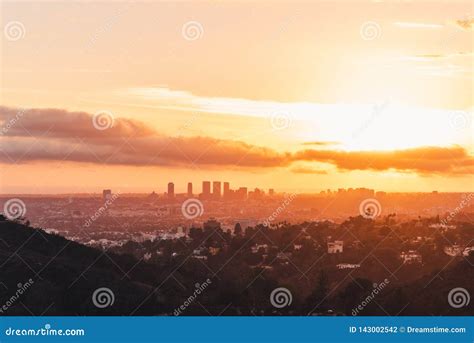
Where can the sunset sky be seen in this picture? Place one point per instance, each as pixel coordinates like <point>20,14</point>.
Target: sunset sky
<point>275,94</point>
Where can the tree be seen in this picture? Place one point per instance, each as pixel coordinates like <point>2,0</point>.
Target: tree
<point>238,229</point>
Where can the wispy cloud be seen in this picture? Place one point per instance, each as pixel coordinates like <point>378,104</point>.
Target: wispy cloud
<point>437,57</point>
<point>321,143</point>
<point>414,25</point>
<point>308,170</point>
<point>466,24</point>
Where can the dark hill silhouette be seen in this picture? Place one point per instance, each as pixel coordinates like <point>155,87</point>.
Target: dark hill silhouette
<point>65,274</point>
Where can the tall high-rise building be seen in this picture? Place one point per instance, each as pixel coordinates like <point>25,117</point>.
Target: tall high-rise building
<point>190,189</point>
<point>226,190</point>
<point>106,194</point>
<point>206,189</point>
<point>170,190</point>
<point>216,189</point>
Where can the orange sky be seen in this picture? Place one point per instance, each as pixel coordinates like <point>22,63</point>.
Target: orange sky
<point>294,96</point>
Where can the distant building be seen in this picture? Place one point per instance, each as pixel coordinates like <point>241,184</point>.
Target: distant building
<point>216,189</point>
<point>171,190</point>
<point>226,190</point>
<point>412,256</point>
<point>206,189</point>
<point>335,247</point>
<point>106,194</point>
<point>271,192</point>
<point>190,189</point>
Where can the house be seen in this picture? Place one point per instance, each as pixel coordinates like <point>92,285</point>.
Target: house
<point>457,250</point>
<point>199,251</point>
<point>255,248</point>
<point>335,247</point>
<point>410,257</point>
<point>284,255</point>
<point>297,246</point>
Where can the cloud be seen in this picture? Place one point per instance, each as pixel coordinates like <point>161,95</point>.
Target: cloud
<point>423,160</point>
<point>413,25</point>
<point>57,123</point>
<point>56,134</point>
<point>60,135</point>
<point>321,143</point>
<point>308,170</point>
<point>466,24</point>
